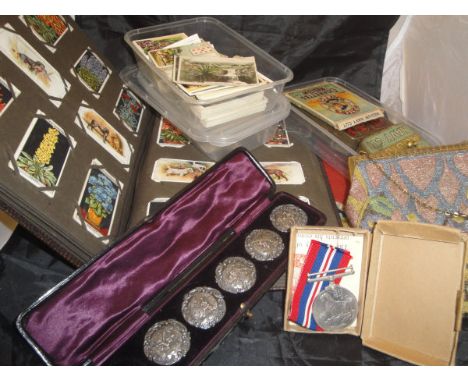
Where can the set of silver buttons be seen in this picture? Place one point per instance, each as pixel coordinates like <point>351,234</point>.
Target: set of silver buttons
<point>167,342</point>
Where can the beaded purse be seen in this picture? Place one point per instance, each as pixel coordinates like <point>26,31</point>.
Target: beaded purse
<point>428,185</point>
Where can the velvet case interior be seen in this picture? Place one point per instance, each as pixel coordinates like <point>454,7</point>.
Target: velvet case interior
<point>142,278</point>
<point>267,272</point>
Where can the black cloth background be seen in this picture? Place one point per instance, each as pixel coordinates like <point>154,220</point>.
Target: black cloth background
<point>349,47</point>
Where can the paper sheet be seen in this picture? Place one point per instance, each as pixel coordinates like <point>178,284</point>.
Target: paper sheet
<point>7,227</point>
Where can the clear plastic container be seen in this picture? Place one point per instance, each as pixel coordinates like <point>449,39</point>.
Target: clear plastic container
<point>324,143</point>
<point>249,132</point>
<point>225,40</point>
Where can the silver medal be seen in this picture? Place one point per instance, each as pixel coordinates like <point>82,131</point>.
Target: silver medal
<point>166,342</point>
<point>286,216</point>
<point>264,244</point>
<point>335,308</point>
<point>203,307</point>
<point>235,275</point>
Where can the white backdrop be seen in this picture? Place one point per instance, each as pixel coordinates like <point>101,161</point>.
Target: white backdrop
<point>426,74</point>
<point>7,226</point>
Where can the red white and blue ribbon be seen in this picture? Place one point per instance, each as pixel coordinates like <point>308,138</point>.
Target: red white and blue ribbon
<point>320,258</point>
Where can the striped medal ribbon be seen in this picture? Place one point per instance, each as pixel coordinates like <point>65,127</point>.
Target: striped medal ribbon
<point>320,258</point>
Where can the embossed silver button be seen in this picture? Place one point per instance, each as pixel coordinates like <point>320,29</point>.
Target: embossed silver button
<point>203,307</point>
<point>286,216</point>
<point>166,342</point>
<point>264,244</point>
<point>235,275</point>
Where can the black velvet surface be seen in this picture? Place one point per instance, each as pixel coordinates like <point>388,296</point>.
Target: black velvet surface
<point>349,47</point>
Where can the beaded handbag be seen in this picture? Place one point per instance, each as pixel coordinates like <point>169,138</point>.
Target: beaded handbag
<point>428,185</point>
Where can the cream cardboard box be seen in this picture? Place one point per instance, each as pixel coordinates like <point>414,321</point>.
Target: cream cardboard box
<point>408,282</point>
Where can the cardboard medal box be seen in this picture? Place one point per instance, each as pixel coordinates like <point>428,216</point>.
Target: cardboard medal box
<point>408,284</point>
<point>105,308</point>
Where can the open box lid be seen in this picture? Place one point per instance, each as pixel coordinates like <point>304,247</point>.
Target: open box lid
<point>413,306</point>
<point>89,315</point>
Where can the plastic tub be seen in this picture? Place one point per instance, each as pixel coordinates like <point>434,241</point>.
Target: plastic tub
<point>249,132</point>
<point>225,40</point>
<point>324,143</point>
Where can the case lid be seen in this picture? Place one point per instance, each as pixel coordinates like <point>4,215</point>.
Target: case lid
<point>414,292</point>
<point>87,317</point>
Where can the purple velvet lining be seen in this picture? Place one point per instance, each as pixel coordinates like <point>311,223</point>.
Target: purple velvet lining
<point>102,305</point>
<point>203,341</point>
